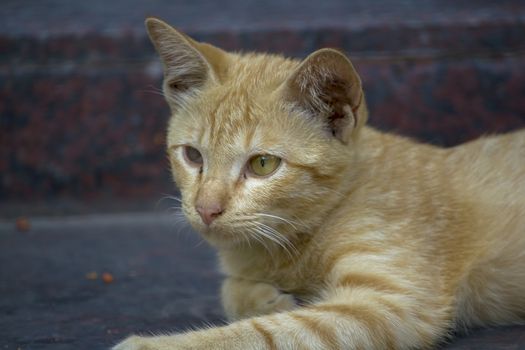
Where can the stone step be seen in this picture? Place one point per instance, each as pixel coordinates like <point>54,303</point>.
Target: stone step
<point>81,116</point>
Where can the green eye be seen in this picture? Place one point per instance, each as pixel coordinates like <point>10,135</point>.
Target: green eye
<point>264,164</point>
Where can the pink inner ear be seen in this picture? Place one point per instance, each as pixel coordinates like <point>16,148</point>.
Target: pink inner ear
<point>334,98</point>
<point>327,85</point>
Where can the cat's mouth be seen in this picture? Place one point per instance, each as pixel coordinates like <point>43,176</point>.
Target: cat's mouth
<point>230,235</point>
<point>251,229</point>
<point>220,236</point>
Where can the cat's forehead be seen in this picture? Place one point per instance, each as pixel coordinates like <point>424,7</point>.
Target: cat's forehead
<point>241,113</point>
<point>243,108</point>
<point>251,71</point>
<point>238,119</point>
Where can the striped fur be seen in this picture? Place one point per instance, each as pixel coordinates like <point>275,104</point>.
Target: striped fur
<point>361,239</point>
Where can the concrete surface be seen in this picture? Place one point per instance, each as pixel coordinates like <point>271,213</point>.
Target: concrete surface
<point>165,279</point>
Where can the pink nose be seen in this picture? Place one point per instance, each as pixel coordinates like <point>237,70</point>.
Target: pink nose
<point>209,213</point>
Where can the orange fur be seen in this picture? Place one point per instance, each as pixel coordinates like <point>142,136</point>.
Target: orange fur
<point>389,243</point>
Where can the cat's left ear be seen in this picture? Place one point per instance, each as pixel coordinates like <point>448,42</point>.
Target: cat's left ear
<point>326,85</point>
<point>188,64</point>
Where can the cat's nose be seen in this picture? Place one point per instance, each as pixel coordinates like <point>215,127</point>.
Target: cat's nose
<point>209,213</point>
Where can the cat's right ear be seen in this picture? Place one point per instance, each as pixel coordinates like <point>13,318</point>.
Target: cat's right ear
<point>188,64</point>
<point>326,86</point>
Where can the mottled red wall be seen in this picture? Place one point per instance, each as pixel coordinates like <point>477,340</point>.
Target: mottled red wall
<point>79,115</point>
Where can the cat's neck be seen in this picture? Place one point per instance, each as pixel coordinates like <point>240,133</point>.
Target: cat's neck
<point>258,261</point>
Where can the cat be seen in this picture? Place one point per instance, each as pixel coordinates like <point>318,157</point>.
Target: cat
<point>334,235</point>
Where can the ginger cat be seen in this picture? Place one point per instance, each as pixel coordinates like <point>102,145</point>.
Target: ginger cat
<point>334,235</point>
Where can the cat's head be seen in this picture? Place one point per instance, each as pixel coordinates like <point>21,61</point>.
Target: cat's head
<point>260,146</point>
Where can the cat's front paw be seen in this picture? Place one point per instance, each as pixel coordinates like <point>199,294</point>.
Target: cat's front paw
<point>242,299</point>
<point>269,299</point>
<point>132,343</point>
<point>172,342</point>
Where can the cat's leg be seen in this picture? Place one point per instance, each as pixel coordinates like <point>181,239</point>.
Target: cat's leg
<point>242,298</point>
<point>349,318</point>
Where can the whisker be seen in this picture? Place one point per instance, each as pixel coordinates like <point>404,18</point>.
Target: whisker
<point>179,219</point>
<point>278,234</point>
<point>167,197</point>
<point>289,222</point>
<point>256,235</point>
<point>245,238</point>
<point>260,229</point>
<point>274,236</point>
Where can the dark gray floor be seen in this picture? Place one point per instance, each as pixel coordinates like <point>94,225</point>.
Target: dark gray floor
<point>165,280</point>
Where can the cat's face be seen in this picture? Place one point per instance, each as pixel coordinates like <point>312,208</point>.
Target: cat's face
<point>259,169</point>
<point>251,162</point>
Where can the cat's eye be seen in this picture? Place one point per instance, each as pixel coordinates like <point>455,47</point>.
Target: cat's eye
<point>192,155</point>
<point>177,86</point>
<point>263,164</point>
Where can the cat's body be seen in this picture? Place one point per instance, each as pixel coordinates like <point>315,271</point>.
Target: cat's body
<point>445,214</point>
<point>357,239</point>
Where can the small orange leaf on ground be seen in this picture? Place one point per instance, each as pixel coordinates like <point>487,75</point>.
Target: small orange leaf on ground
<point>22,224</point>
<point>107,277</point>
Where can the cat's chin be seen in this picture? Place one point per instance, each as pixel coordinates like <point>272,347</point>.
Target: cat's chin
<point>219,238</point>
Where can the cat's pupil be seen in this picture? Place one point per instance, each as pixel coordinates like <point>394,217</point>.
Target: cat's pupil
<point>263,161</point>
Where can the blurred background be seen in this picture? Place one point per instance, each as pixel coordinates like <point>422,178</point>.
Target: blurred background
<point>82,133</point>
<point>82,129</point>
